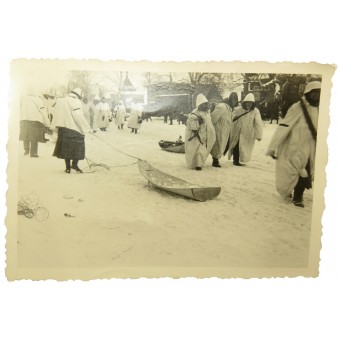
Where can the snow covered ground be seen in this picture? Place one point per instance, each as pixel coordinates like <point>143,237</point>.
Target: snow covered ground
<point>116,221</point>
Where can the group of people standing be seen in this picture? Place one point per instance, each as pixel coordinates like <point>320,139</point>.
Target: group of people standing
<point>222,128</point>
<point>226,127</point>
<point>99,114</point>
<point>69,118</point>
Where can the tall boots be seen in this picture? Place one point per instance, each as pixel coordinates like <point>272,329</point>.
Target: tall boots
<point>74,166</point>
<point>216,163</point>
<point>236,155</point>
<point>68,165</point>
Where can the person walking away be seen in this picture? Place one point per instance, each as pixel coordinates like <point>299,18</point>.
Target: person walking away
<point>72,127</point>
<point>246,128</point>
<point>221,119</point>
<point>104,115</point>
<point>95,113</point>
<point>33,123</point>
<point>294,143</point>
<point>199,134</point>
<point>135,119</point>
<point>120,114</point>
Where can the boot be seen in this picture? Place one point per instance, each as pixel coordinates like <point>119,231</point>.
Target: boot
<point>68,166</point>
<point>198,168</point>
<point>298,192</point>
<point>75,166</point>
<point>216,163</point>
<point>298,203</point>
<point>34,149</point>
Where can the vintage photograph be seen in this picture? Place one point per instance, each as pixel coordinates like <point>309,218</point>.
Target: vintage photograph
<point>122,169</point>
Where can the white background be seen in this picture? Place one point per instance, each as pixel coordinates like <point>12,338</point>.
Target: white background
<point>299,308</point>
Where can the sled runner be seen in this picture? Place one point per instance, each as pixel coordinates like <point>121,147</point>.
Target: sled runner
<point>172,146</point>
<point>176,185</point>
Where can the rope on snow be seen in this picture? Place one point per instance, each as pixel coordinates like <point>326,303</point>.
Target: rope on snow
<point>92,164</point>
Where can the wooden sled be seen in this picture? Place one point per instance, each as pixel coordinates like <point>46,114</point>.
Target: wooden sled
<point>177,147</point>
<point>176,185</point>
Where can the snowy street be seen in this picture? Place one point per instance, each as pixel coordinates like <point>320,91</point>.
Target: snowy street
<point>109,218</point>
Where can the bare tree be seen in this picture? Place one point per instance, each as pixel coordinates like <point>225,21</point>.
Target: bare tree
<point>195,78</point>
<point>81,79</point>
<point>155,78</point>
<point>116,78</point>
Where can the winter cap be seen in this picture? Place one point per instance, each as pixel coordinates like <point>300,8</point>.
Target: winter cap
<point>78,91</point>
<point>249,98</point>
<point>201,99</point>
<point>313,85</point>
<point>96,98</point>
<point>120,102</point>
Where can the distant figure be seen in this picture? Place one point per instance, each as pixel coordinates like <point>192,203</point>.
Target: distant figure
<point>247,127</point>
<point>86,110</point>
<point>135,119</point>
<point>104,114</point>
<point>49,99</point>
<point>182,118</point>
<point>199,134</point>
<point>168,113</point>
<point>72,127</point>
<point>33,122</point>
<point>179,140</point>
<point>120,114</point>
<point>95,113</point>
<point>294,144</point>
<point>274,109</point>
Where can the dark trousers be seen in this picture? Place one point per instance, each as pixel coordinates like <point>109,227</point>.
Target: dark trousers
<point>302,184</point>
<point>236,153</point>
<point>31,147</point>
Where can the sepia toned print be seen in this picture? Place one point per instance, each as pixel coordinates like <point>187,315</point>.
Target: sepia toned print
<point>140,169</point>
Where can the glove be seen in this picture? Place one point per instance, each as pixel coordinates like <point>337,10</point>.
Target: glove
<point>307,182</point>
